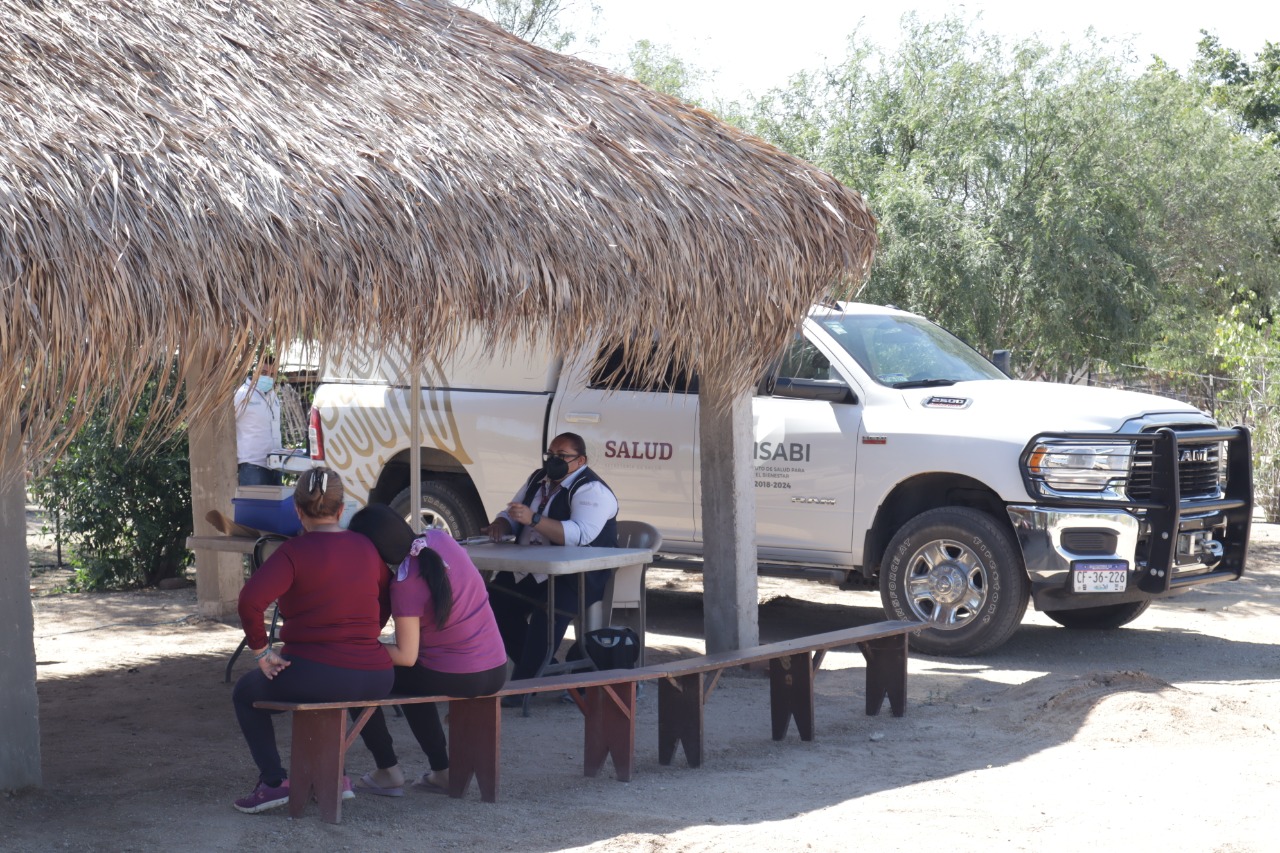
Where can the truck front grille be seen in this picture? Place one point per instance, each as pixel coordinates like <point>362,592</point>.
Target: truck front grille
<point>1199,470</point>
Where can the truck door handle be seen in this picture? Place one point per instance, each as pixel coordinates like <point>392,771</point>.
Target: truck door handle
<point>582,417</point>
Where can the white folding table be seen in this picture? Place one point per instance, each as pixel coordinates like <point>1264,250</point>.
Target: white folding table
<point>554,561</point>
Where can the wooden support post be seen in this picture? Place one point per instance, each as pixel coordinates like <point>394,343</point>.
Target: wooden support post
<point>19,707</point>
<point>728,519</point>
<point>212,440</point>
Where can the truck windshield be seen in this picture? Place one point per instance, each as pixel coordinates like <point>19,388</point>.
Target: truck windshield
<point>907,352</point>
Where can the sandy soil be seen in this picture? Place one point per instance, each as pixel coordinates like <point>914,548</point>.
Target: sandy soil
<point>1162,735</point>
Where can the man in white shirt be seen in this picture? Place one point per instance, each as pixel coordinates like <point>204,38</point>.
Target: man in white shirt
<point>562,503</point>
<point>257,409</point>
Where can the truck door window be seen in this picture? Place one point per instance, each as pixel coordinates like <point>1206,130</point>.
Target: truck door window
<point>803,360</point>
<point>611,370</point>
<point>805,372</point>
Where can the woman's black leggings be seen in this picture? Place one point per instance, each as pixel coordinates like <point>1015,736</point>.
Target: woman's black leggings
<point>423,719</point>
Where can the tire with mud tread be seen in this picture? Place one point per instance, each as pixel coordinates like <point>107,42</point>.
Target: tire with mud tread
<point>961,572</point>
<point>1099,618</point>
<point>443,505</point>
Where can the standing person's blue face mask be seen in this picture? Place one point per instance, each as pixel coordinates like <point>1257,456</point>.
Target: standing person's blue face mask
<point>266,383</point>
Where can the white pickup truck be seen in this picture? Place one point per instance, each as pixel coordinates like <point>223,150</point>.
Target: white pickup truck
<point>888,454</point>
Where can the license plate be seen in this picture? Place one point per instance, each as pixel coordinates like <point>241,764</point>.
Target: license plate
<point>1099,576</point>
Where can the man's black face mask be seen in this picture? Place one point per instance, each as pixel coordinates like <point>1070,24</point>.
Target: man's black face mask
<point>555,468</point>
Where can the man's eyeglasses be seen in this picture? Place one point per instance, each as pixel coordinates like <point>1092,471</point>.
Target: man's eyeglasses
<point>567,457</point>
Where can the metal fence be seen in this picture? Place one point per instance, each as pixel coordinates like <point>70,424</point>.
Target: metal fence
<point>293,416</point>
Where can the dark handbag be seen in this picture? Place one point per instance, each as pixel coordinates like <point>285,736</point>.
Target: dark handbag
<point>613,648</point>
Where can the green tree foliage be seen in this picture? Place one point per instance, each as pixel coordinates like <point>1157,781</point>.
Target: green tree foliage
<point>1210,217</point>
<point>657,67</point>
<point>124,496</point>
<point>1248,96</point>
<point>1250,92</point>
<point>1040,198</point>
<point>798,118</point>
<point>543,22</point>
<point>1249,350</point>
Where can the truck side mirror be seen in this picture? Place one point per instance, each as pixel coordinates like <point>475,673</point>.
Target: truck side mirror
<point>1003,360</point>
<point>828,390</point>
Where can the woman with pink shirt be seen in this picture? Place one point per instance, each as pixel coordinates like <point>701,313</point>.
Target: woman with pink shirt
<point>447,642</point>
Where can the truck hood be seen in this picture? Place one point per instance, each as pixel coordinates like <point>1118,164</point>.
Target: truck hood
<point>1018,409</point>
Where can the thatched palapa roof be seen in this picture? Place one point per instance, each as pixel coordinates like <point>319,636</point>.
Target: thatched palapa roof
<point>177,172</point>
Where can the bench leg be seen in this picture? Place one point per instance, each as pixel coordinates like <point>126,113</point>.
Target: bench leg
<point>315,762</point>
<point>791,694</point>
<point>886,673</point>
<point>680,718</point>
<point>475,730</point>
<point>610,729</point>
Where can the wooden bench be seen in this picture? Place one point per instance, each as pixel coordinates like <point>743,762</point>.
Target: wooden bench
<point>607,699</point>
<point>685,685</point>
<point>321,736</point>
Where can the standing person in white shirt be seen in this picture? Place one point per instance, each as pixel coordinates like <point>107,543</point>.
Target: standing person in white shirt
<point>257,409</point>
<point>562,503</point>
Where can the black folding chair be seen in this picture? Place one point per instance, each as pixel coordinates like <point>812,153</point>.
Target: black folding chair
<point>266,544</point>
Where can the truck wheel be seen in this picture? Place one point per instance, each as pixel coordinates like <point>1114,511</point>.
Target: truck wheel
<point>1100,618</point>
<point>445,506</point>
<point>958,570</point>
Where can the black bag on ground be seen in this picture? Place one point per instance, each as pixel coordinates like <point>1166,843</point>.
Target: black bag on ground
<point>613,648</point>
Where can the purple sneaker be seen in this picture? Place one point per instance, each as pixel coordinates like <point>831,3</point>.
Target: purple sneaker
<point>348,792</point>
<point>264,797</point>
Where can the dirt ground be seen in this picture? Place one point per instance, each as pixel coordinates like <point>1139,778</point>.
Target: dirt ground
<point>1162,735</point>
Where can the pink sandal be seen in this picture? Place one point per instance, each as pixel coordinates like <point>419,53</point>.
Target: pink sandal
<point>368,786</point>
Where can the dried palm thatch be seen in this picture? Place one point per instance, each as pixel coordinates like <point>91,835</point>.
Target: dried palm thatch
<point>199,176</point>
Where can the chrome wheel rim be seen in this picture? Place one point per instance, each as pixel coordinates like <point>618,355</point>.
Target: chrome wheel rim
<point>432,520</point>
<point>946,584</point>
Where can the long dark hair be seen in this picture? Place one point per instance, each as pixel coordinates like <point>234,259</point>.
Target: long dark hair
<point>394,539</point>
<point>432,569</point>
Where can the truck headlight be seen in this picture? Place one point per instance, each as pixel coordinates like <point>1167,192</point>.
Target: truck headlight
<point>1071,466</point>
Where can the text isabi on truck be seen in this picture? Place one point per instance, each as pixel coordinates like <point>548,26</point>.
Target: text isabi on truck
<point>887,454</point>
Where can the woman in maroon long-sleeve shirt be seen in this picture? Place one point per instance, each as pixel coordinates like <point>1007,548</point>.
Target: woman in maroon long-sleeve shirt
<point>331,586</point>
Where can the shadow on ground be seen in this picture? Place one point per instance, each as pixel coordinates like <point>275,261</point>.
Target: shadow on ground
<point>141,756</point>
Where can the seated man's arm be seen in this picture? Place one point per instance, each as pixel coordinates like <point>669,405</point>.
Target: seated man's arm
<point>592,507</point>
<point>499,527</point>
<point>503,524</point>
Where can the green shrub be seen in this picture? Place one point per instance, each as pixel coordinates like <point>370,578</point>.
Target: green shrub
<point>124,498</point>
